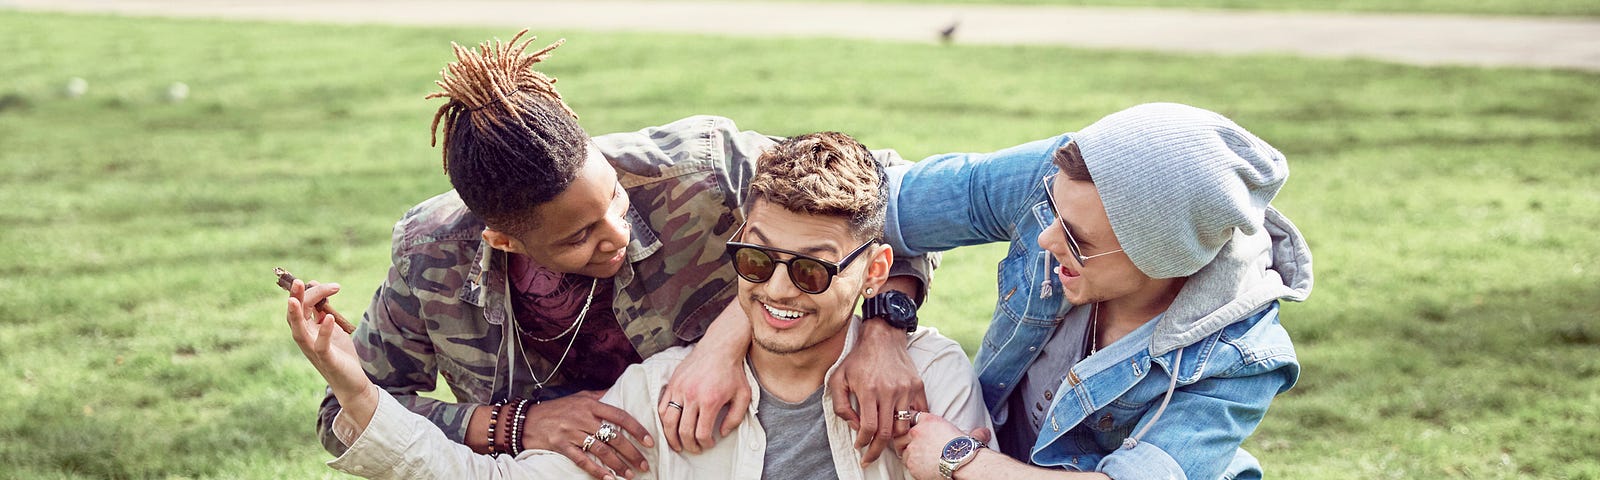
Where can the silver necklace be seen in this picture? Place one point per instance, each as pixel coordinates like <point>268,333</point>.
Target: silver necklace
<point>576,324</point>
<point>575,321</point>
<point>1094,328</point>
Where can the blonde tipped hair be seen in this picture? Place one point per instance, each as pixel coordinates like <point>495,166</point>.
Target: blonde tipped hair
<point>489,77</point>
<point>825,173</point>
<point>511,143</point>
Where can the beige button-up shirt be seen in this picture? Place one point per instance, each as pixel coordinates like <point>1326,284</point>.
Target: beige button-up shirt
<point>400,444</point>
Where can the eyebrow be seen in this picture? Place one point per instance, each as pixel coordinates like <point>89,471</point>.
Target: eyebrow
<point>811,250</point>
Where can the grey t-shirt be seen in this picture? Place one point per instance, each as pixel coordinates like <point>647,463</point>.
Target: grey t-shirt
<point>1030,402</point>
<point>797,438</point>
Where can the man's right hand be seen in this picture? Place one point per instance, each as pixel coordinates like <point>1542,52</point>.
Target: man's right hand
<point>561,425</point>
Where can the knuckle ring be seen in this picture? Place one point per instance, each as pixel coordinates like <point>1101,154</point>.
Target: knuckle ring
<point>676,405</point>
<point>607,432</point>
<point>588,441</point>
<point>904,415</point>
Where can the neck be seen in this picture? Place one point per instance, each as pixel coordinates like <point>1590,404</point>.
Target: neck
<point>1121,315</point>
<point>794,376</point>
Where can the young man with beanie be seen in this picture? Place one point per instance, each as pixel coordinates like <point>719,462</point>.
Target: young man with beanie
<point>808,249</point>
<point>1137,333</point>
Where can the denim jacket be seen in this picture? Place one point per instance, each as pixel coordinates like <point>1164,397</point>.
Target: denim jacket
<point>1121,411</point>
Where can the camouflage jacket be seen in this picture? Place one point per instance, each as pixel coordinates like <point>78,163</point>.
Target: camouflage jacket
<point>445,306</point>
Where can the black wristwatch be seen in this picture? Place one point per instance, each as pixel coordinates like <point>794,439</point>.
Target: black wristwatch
<point>894,307</point>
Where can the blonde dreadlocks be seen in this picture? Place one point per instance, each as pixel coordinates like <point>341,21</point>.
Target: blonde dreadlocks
<point>510,141</point>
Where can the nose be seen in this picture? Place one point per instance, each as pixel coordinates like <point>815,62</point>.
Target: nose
<point>780,286</point>
<point>1054,240</point>
<point>615,235</point>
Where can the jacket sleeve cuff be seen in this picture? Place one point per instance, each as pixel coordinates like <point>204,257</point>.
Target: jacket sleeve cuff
<point>379,450</point>
<point>1143,461</point>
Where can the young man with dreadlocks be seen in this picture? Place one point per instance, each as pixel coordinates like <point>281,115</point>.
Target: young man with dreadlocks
<point>557,261</point>
<point>816,208</point>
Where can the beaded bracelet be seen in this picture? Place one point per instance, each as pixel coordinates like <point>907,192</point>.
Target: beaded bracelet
<point>516,428</point>
<point>494,419</point>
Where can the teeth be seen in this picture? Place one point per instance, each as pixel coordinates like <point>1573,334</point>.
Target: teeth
<point>784,314</point>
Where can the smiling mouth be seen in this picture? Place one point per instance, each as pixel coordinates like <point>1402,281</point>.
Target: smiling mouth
<point>781,313</point>
<point>1065,273</point>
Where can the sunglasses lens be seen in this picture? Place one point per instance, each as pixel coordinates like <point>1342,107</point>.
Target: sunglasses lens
<point>808,275</point>
<point>754,265</point>
<point>1072,243</point>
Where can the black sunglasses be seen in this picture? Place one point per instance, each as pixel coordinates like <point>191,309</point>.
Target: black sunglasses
<point>810,274</point>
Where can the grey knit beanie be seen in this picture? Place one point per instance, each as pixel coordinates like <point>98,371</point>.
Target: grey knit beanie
<point>1177,180</point>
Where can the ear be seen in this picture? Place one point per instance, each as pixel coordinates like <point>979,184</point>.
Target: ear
<point>499,240</point>
<point>881,258</point>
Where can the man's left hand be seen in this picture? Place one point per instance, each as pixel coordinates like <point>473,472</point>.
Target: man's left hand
<point>884,381</point>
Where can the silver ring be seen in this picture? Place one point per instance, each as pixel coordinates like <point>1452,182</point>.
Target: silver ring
<point>676,405</point>
<point>915,417</point>
<point>606,433</point>
<point>903,415</point>
<point>588,441</point>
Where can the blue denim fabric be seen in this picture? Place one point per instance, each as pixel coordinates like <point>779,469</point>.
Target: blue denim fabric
<point>1225,380</point>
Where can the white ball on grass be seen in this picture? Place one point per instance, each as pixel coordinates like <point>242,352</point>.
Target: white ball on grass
<point>177,92</point>
<point>76,87</point>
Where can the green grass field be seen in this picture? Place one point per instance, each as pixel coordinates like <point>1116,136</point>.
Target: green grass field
<point>1587,8</point>
<point>1454,331</point>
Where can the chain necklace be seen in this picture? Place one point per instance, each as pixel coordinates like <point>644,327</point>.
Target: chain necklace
<point>575,321</point>
<point>576,324</point>
<point>1094,328</point>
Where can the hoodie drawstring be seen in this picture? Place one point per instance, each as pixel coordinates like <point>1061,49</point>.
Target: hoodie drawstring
<point>1133,441</point>
<point>1045,289</point>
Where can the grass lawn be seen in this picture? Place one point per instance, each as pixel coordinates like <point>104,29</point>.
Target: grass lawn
<point>1588,8</point>
<point>1454,331</point>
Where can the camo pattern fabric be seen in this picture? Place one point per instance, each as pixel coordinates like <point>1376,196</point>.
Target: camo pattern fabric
<point>445,306</point>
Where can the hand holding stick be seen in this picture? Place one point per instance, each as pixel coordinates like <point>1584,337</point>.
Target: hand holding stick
<point>286,280</point>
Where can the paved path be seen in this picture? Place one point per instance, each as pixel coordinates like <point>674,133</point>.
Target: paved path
<point>1416,39</point>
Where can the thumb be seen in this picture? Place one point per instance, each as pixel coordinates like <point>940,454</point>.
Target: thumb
<point>983,434</point>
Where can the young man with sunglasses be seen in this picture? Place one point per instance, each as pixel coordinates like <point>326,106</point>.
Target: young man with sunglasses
<point>555,262</point>
<point>1137,330</point>
<point>807,251</point>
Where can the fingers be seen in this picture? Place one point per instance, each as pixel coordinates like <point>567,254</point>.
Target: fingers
<point>869,422</point>
<point>324,331</point>
<point>317,293</point>
<point>585,462</point>
<point>611,458</point>
<point>670,419</point>
<point>840,393</point>
<point>624,448</point>
<point>297,328</point>
<point>881,438</point>
<point>705,428</point>
<point>736,412</point>
<point>690,419</point>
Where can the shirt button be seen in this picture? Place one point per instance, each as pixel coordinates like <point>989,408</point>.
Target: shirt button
<point>1002,385</point>
<point>1033,349</point>
<point>1105,422</point>
<point>1048,394</point>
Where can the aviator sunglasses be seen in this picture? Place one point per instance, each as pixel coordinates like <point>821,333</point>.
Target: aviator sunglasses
<point>1072,242</point>
<point>810,274</point>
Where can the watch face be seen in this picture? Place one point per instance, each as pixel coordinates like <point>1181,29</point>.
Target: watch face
<point>958,449</point>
